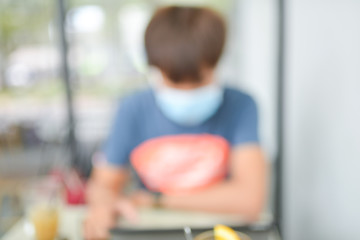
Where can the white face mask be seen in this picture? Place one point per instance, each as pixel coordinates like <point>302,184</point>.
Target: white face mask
<point>188,107</point>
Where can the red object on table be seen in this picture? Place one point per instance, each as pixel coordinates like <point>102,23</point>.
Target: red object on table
<point>75,196</point>
<point>74,188</point>
<point>178,164</point>
<point>73,184</point>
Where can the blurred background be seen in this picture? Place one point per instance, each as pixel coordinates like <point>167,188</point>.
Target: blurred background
<point>106,60</point>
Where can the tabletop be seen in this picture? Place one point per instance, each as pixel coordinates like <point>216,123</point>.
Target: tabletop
<point>70,227</point>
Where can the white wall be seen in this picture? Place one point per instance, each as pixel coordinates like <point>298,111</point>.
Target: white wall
<point>256,41</point>
<point>323,120</point>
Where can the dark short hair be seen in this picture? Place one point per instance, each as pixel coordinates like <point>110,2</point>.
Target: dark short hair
<point>182,41</point>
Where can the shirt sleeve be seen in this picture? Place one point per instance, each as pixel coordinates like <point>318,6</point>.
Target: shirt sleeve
<point>122,135</point>
<point>246,130</point>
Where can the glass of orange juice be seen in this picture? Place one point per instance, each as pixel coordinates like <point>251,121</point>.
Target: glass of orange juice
<point>42,201</point>
<point>45,221</point>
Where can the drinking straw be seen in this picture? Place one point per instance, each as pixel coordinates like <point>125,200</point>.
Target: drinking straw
<point>187,233</point>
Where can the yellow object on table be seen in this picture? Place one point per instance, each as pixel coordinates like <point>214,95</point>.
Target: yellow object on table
<point>222,232</point>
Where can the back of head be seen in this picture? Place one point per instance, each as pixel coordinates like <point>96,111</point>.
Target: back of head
<point>184,41</point>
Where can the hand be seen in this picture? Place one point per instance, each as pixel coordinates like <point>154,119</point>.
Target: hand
<point>143,198</point>
<point>101,218</point>
<point>98,221</point>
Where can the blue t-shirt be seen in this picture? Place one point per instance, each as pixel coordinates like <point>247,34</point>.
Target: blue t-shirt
<point>139,119</point>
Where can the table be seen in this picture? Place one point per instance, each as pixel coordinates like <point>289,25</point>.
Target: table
<point>70,228</point>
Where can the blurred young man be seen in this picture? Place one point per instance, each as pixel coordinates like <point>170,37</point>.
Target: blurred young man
<point>185,44</point>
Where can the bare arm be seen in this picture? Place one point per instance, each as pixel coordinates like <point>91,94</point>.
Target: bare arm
<point>105,184</point>
<point>244,193</point>
<point>103,190</point>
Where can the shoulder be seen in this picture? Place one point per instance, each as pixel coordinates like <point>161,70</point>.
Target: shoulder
<point>243,117</point>
<point>136,99</point>
<point>238,99</point>
<point>133,104</point>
